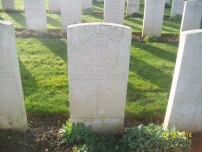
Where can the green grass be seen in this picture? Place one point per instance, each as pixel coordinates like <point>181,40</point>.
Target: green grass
<point>150,76</point>
<point>43,68</point>
<point>43,65</point>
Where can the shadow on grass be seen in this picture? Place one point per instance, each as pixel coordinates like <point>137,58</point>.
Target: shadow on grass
<point>172,24</point>
<point>19,18</point>
<point>163,54</point>
<point>98,7</point>
<point>57,46</point>
<point>150,73</point>
<point>29,83</point>
<point>134,23</point>
<point>53,22</point>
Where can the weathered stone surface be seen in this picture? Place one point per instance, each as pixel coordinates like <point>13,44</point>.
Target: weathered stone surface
<point>8,4</point>
<point>98,64</point>
<point>12,109</point>
<point>192,15</point>
<point>54,5</point>
<point>70,12</point>
<point>153,17</point>
<point>114,11</point>
<point>132,7</point>
<point>35,11</point>
<point>177,7</point>
<point>184,106</point>
<point>86,4</point>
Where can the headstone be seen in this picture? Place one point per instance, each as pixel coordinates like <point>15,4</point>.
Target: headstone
<point>8,4</point>
<point>133,6</point>
<point>86,4</point>
<point>54,5</point>
<point>70,12</point>
<point>12,109</point>
<point>184,106</point>
<point>177,7</point>
<point>98,64</point>
<point>35,11</point>
<point>114,11</point>
<point>153,17</point>
<point>167,1</point>
<point>192,15</point>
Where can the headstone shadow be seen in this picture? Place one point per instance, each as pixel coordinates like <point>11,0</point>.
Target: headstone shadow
<point>58,47</point>
<point>18,17</point>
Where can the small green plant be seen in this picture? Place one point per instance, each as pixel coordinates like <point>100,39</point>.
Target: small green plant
<point>152,138</point>
<point>87,11</point>
<point>75,133</point>
<point>176,17</point>
<point>150,39</point>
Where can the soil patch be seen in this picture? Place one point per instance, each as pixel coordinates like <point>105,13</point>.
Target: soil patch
<point>44,135</point>
<point>57,34</point>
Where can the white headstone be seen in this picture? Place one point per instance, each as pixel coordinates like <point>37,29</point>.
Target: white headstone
<point>98,64</point>
<point>133,7</point>
<point>8,4</point>
<point>153,17</point>
<point>114,11</point>
<point>70,12</point>
<point>192,15</point>
<point>54,5</point>
<point>167,1</point>
<point>86,4</point>
<point>35,11</point>
<point>12,109</point>
<point>177,7</point>
<point>184,106</point>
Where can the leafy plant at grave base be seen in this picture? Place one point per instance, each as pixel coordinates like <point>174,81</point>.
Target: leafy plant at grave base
<point>87,11</point>
<point>150,39</point>
<point>139,138</point>
<point>176,17</point>
<point>75,133</point>
<point>151,138</point>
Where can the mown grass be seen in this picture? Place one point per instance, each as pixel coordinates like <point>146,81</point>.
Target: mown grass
<point>43,65</point>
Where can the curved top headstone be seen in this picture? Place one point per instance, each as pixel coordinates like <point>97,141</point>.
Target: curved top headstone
<point>98,64</point>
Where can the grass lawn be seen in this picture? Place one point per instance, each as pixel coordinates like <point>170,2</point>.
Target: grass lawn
<point>43,65</point>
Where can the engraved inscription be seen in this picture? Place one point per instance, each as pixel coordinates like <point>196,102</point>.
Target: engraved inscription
<point>100,46</point>
<point>98,95</point>
<point>4,74</point>
<point>97,120</point>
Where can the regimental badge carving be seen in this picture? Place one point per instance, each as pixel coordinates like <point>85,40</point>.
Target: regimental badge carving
<point>99,47</point>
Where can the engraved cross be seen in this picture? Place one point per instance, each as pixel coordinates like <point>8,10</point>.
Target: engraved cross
<point>98,95</point>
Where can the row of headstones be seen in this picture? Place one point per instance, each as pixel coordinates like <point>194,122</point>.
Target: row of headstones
<point>154,12</point>
<point>98,60</point>
<point>71,12</point>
